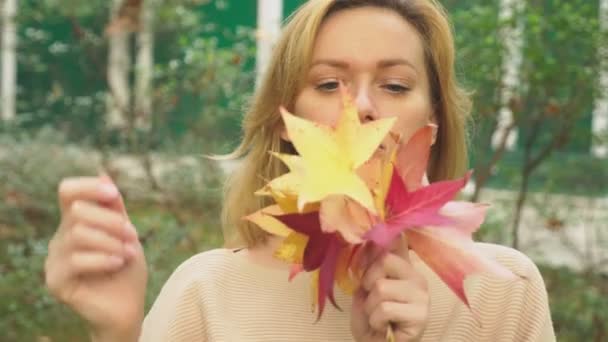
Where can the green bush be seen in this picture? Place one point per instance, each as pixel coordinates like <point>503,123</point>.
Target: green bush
<point>579,304</point>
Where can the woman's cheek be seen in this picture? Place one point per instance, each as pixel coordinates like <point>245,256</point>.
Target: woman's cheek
<point>324,109</point>
<point>411,118</point>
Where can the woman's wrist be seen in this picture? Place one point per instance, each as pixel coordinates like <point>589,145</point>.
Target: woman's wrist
<point>131,335</point>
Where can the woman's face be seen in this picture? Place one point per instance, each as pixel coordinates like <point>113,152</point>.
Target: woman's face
<point>380,58</point>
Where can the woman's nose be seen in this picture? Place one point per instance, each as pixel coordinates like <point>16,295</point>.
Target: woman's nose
<point>365,105</point>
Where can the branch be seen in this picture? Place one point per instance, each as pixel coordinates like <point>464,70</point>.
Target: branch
<point>127,19</point>
<point>79,34</point>
<point>558,138</point>
<point>169,202</point>
<point>546,152</point>
<point>484,173</point>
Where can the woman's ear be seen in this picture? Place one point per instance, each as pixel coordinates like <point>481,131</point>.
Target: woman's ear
<point>433,122</point>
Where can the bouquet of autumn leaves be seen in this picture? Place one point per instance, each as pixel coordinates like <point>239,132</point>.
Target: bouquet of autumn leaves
<point>346,189</point>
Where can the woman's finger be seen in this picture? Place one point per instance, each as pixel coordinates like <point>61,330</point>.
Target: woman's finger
<point>85,238</point>
<point>403,315</point>
<point>85,188</point>
<point>111,222</point>
<point>391,290</point>
<point>117,204</point>
<point>388,266</point>
<point>94,262</point>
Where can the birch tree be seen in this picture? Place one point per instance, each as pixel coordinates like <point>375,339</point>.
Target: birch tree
<point>9,59</point>
<point>269,17</point>
<point>512,37</point>
<point>119,64</point>
<point>600,114</point>
<point>144,66</point>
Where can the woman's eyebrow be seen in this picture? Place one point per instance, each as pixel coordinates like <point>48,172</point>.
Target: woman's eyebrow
<point>382,64</point>
<point>331,62</point>
<point>387,63</point>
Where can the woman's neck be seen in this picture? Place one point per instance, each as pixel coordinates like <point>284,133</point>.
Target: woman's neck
<point>263,253</point>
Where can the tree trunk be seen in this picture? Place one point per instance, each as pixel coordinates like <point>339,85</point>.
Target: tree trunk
<point>504,137</point>
<point>119,64</point>
<point>270,15</point>
<point>9,59</point>
<point>529,164</point>
<point>599,147</point>
<point>144,66</point>
<point>512,31</point>
<point>519,207</point>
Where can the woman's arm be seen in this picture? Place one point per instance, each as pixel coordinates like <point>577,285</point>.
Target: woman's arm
<point>535,319</point>
<point>176,314</point>
<point>519,308</point>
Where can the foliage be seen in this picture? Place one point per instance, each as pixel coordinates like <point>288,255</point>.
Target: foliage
<point>579,304</point>
<point>551,176</point>
<point>551,106</point>
<point>32,165</point>
<point>202,73</point>
<point>558,74</point>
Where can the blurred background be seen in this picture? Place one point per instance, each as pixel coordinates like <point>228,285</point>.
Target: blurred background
<point>143,88</point>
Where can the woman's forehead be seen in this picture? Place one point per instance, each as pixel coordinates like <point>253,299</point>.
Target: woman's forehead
<point>368,36</point>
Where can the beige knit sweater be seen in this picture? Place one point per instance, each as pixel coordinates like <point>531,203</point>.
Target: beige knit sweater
<point>220,295</point>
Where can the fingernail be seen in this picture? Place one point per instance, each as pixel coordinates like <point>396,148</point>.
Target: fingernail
<point>131,230</point>
<point>116,261</point>
<point>108,190</point>
<point>130,250</point>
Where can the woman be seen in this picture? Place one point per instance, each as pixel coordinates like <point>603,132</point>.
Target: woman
<point>396,57</point>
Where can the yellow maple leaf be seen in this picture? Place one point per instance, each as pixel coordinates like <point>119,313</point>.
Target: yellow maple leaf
<point>329,157</point>
<point>264,218</point>
<point>377,173</point>
<point>345,278</point>
<point>292,248</point>
<point>314,289</point>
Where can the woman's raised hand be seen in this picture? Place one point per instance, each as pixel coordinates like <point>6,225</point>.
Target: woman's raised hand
<point>95,263</point>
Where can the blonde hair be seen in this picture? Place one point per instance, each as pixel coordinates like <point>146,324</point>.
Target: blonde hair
<point>285,77</point>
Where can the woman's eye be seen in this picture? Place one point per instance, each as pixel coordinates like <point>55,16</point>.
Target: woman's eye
<point>396,88</point>
<point>328,86</point>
